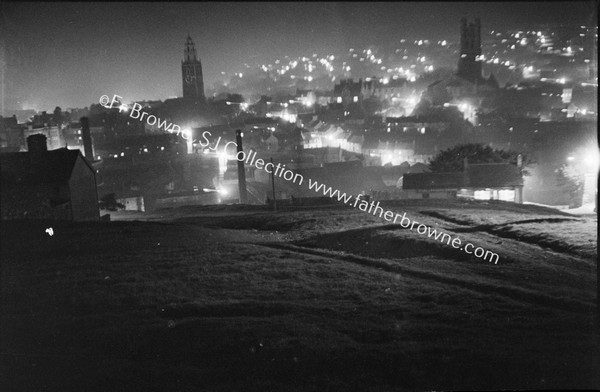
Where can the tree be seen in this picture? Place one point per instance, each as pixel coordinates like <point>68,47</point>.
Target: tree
<point>569,177</point>
<point>452,159</point>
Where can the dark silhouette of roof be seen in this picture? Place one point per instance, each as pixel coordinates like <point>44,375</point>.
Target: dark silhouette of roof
<point>10,122</point>
<point>261,120</point>
<point>434,180</point>
<point>45,167</point>
<point>481,175</point>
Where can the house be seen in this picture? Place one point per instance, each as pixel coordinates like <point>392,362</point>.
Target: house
<point>11,134</point>
<point>42,184</point>
<point>483,181</point>
<point>54,135</point>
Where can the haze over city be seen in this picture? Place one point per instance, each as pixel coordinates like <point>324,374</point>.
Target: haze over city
<point>135,48</point>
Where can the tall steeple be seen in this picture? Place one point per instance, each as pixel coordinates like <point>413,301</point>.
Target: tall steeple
<point>189,54</point>
<point>469,64</point>
<point>191,73</point>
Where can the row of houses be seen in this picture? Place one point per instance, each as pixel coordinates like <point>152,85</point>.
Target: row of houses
<point>61,183</point>
<point>490,181</point>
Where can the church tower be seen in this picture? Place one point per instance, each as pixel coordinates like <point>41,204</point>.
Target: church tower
<point>469,65</point>
<point>191,73</point>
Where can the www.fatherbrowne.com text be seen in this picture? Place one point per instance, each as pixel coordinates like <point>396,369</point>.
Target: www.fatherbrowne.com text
<point>280,171</point>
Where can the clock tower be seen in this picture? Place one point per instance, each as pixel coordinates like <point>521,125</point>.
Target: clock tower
<point>191,73</point>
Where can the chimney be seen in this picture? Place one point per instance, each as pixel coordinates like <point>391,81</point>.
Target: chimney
<point>37,147</point>
<point>87,138</point>
<point>37,143</point>
<point>241,170</point>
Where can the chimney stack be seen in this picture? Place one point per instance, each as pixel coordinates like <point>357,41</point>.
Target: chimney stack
<point>37,143</point>
<point>37,147</point>
<point>241,170</point>
<point>87,138</point>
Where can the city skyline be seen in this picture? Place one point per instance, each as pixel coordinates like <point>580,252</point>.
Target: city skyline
<point>77,52</point>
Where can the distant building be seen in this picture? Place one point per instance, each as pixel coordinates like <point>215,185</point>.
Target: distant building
<point>466,89</point>
<point>53,135</point>
<point>469,64</point>
<point>391,90</point>
<point>485,181</point>
<point>42,184</point>
<point>11,134</point>
<point>416,125</point>
<point>191,73</point>
<point>347,91</point>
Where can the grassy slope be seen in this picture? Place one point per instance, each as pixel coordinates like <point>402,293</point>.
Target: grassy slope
<point>325,299</point>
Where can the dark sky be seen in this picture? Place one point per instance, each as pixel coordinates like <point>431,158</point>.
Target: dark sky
<point>69,54</point>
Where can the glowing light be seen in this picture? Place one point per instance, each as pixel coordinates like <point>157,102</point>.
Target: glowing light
<point>592,159</point>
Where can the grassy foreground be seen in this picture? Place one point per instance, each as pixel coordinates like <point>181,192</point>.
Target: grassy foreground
<point>330,299</point>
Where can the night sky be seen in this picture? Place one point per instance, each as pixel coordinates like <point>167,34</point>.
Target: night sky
<point>69,54</point>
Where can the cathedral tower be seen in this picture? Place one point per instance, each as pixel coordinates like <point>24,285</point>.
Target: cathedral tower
<point>191,73</point>
<point>469,65</point>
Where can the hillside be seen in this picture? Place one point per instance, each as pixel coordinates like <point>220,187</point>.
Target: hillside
<point>323,299</point>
